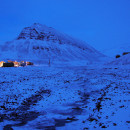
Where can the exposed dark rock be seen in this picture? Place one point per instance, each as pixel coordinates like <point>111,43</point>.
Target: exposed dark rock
<point>114,124</point>
<point>8,127</point>
<point>118,56</point>
<point>104,126</point>
<point>125,53</point>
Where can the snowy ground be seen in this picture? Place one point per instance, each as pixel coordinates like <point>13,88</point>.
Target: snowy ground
<point>65,98</point>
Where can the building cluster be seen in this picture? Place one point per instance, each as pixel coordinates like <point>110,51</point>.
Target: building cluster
<point>10,63</point>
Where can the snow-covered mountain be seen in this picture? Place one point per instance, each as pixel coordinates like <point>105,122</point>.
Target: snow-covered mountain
<point>39,42</point>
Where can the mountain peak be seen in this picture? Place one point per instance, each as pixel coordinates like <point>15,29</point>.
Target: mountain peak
<point>44,33</point>
<point>37,31</point>
<point>40,26</point>
<point>37,24</point>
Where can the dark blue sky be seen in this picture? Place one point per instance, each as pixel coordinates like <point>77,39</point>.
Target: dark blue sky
<point>101,23</point>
